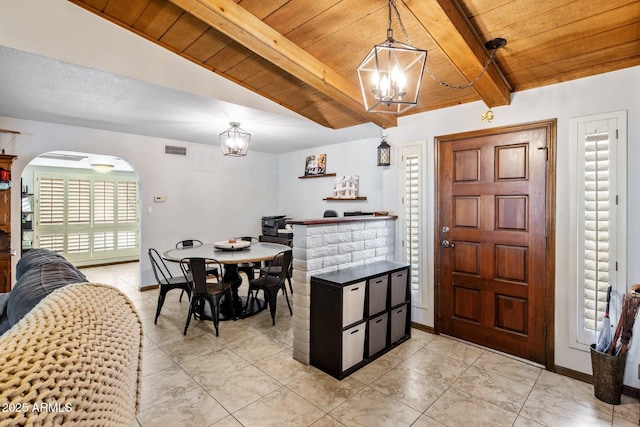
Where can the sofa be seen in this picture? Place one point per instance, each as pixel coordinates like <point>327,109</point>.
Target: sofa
<point>70,351</point>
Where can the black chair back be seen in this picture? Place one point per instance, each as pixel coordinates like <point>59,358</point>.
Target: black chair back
<point>188,243</point>
<point>330,213</point>
<point>160,269</point>
<point>195,271</point>
<point>248,239</point>
<point>283,262</point>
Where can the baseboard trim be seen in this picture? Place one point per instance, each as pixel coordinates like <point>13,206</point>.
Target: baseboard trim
<point>423,327</point>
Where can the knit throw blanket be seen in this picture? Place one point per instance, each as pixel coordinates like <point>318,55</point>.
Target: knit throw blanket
<point>74,360</point>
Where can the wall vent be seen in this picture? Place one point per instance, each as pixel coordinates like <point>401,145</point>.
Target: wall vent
<point>174,149</point>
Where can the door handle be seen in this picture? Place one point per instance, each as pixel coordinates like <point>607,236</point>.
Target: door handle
<point>447,244</point>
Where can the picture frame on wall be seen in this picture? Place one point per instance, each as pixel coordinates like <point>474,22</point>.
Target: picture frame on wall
<point>315,165</point>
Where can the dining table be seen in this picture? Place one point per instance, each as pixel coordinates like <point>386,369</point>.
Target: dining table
<point>230,255</point>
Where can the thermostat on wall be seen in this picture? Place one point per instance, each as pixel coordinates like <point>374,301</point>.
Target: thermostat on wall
<point>159,199</point>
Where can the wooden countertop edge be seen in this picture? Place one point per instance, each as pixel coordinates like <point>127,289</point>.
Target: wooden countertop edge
<point>340,219</point>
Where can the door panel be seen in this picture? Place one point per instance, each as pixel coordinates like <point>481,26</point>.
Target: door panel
<point>491,277</point>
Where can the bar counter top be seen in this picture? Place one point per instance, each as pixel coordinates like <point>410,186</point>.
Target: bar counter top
<point>339,219</point>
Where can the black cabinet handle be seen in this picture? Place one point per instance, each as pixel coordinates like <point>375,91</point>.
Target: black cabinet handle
<point>379,320</point>
<point>354,331</point>
<point>355,289</point>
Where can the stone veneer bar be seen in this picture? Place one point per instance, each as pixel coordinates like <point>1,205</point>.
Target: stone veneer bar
<point>330,244</point>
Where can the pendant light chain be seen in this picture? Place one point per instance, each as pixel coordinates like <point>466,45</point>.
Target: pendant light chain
<point>465,86</point>
<point>392,3</point>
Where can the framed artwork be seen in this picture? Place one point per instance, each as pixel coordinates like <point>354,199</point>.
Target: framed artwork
<point>315,165</point>
<point>346,187</point>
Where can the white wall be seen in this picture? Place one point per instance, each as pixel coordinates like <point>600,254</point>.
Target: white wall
<point>209,196</point>
<point>614,91</point>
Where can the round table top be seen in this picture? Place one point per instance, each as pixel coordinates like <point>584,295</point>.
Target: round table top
<point>261,251</point>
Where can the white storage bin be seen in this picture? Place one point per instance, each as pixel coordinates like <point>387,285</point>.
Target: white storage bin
<point>398,287</point>
<point>353,303</point>
<point>378,294</point>
<point>377,333</point>
<point>353,346</point>
<point>398,323</point>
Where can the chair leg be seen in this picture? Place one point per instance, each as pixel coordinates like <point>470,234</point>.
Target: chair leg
<point>290,285</point>
<point>215,312</point>
<point>191,303</point>
<point>271,295</point>
<point>181,294</point>
<point>161,297</point>
<point>284,290</point>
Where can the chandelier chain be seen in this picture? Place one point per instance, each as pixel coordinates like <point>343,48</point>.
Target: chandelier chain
<point>465,86</point>
<point>392,4</point>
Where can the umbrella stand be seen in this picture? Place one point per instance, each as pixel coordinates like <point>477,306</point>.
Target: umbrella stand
<point>608,367</point>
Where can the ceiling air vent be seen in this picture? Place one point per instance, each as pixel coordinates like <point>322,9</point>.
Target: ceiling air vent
<point>174,149</point>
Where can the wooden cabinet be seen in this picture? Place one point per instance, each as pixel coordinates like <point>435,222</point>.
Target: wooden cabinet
<point>5,226</point>
<point>358,314</point>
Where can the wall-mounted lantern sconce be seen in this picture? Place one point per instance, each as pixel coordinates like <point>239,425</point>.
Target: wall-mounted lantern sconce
<point>384,153</point>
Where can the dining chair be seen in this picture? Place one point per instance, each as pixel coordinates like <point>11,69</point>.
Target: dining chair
<point>195,270</point>
<point>249,268</point>
<point>166,281</point>
<point>194,243</point>
<point>276,269</point>
<point>271,284</point>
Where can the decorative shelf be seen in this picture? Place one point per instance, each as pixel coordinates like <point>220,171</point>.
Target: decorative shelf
<point>317,176</point>
<point>344,200</point>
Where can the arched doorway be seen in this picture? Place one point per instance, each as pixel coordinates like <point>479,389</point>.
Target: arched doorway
<point>81,205</point>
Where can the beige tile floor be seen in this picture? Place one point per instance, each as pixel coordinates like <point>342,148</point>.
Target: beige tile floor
<point>247,377</point>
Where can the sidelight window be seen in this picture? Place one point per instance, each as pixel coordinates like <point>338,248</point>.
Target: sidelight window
<point>600,228</point>
<point>413,221</point>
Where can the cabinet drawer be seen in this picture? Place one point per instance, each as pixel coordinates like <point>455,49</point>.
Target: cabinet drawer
<point>353,303</point>
<point>353,346</point>
<point>377,334</point>
<point>398,287</point>
<point>398,323</point>
<point>378,294</point>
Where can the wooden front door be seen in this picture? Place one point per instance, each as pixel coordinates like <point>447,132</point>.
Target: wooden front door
<point>492,238</point>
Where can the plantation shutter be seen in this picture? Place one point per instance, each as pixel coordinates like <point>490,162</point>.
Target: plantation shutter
<point>86,217</point>
<point>103,202</point>
<point>50,214</point>
<point>78,201</point>
<point>599,170</point>
<point>412,215</point>
<point>412,218</point>
<point>127,202</point>
<point>52,201</point>
<point>596,228</point>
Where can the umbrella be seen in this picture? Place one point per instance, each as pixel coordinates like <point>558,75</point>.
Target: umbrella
<point>604,335</point>
<point>624,330</point>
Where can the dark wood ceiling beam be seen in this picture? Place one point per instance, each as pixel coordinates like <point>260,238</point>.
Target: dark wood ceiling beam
<point>243,27</point>
<point>457,39</point>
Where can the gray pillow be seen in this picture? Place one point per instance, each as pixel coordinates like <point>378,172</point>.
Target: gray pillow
<point>37,257</point>
<point>35,284</point>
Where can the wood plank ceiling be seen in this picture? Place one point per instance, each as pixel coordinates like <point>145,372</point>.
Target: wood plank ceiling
<point>303,54</point>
